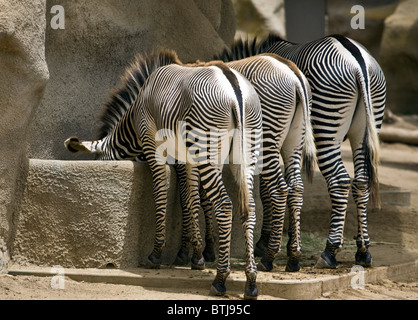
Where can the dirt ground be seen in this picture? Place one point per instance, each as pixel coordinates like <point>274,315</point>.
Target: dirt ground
<point>393,230</point>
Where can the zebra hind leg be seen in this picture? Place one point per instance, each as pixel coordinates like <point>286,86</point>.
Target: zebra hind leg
<point>294,203</point>
<point>338,188</point>
<point>361,192</point>
<point>211,181</point>
<point>278,191</point>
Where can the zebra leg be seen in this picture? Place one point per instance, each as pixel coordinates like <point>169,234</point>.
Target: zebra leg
<point>338,181</point>
<point>261,245</point>
<point>277,190</point>
<point>209,251</point>
<point>159,177</point>
<point>294,203</point>
<point>182,257</point>
<point>361,191</point>
<point>189,197</point>
<point>193,204</point>
<point>248,222</point>
<point>211,180</point>
<point>291,152</point>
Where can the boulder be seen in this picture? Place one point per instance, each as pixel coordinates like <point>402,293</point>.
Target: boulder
<point>375,13</point>
<point>399,57</point>
<point>258,18</point>
<point>99,40</point>
<point>23,76</point>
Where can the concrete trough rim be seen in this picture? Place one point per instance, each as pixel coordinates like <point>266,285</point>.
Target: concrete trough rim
<point>303,289</point>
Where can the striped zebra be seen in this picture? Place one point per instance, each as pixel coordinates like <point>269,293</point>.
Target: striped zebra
<point>285,100</point>
<point>348,101</point>
<point>173,113</point>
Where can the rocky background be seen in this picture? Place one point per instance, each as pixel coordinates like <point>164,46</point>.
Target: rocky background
<point>52,81</point>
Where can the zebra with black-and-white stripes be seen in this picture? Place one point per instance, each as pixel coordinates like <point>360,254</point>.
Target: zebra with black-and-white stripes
<point>348,100</point>
<point>285,101</point>
<point>168,112</point>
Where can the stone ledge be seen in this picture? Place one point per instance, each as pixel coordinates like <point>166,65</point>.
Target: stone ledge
<point>167,277</point>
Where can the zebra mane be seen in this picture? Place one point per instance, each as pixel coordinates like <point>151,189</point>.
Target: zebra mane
<point>242,49</point>
<point>269,41</point>
<point>122,97</point>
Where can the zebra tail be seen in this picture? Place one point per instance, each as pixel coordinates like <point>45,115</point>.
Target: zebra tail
<point>370,144</point>
<point>309,149</point>
<point>238,111</point>
<point>243,190</point>
<point>241,176</point>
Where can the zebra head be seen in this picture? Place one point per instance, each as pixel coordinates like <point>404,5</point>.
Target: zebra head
<point>103,149</point>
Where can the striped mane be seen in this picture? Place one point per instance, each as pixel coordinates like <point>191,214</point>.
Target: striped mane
<point>242,49</point>
<point>136,74</point>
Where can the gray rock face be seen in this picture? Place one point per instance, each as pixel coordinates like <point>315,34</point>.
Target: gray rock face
<point>23,76</point>
<point>399,57</point>
<point>91,214</point>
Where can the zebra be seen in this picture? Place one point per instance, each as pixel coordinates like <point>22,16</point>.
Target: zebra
<point>285,98</point>
<point>163,103</point>
<point>348,101</point>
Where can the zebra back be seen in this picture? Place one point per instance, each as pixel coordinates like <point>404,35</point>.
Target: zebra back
<point>242,49</point>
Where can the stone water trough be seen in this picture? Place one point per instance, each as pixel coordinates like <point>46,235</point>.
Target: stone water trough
<point>96,214</point>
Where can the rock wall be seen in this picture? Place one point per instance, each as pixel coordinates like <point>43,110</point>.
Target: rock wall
<point>100,39</point>
<point>258,18</point>
<point>399,57</point>
<point>23,76</point>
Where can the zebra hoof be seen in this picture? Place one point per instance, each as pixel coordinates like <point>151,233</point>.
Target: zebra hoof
<point>198,264</point>
<point>327,260</point>
<point>209,254</point>
<point>251,290</point>
<point>218,287</point>
<point>292,264</point>
<point>265,265</point>
<point>153,262</point>
<point>182,257</point>
<point>363,258</point>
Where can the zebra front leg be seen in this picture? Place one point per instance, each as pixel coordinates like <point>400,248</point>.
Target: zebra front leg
<point>159,176</point>
<point>182,257</point>
<point>209,251</point>
<point>188,184</point>
<point>261,245</point>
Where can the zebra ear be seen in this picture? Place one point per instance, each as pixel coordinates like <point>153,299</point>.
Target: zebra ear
<point>73,144</point>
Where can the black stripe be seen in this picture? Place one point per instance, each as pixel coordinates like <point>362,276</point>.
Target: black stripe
<point>354,50</point>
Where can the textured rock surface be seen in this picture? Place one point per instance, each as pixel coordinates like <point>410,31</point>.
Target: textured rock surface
<point>94,213</point>
<point>375,13</point>
<point>100,39</point>
<point>23,76</point>
<point>86,214</point>
<point>399,57</point>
